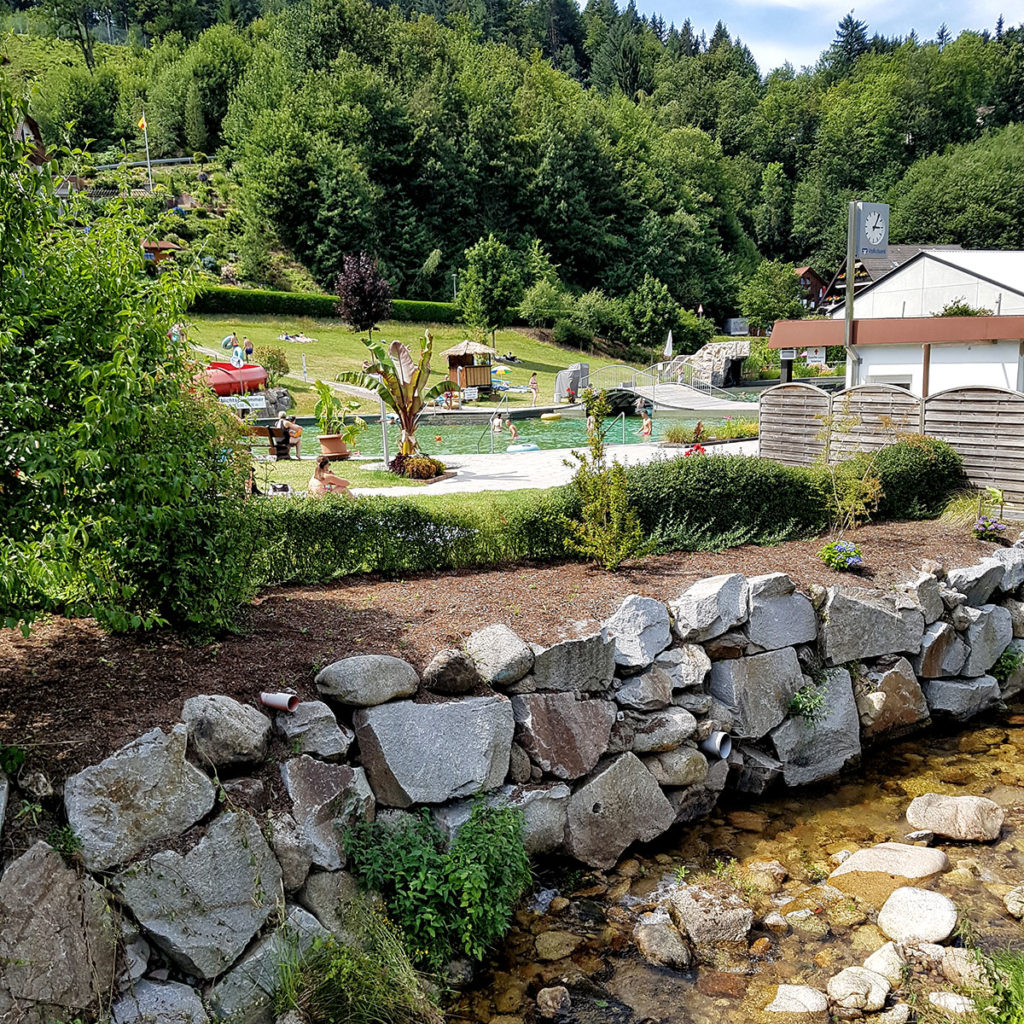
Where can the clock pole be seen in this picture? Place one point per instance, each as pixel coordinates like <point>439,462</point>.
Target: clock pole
<point>851,357</point>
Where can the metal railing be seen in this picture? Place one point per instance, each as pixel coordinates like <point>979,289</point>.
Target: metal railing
<point>489,429</point>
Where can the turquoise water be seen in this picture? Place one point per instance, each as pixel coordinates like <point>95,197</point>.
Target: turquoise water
<point>568,432</point>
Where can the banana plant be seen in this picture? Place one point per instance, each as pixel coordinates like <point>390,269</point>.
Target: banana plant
<point>401,383</point>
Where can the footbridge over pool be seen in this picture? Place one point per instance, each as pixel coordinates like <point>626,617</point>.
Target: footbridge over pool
<point>668,385</point>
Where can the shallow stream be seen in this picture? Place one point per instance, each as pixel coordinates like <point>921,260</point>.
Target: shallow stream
<point>807,832</point>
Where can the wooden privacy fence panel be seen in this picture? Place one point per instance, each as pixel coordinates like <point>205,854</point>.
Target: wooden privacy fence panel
<point>878,413</point>
<point>791,418</point>
<point>986,426</point>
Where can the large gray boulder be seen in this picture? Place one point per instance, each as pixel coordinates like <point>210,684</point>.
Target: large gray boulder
<point>159,1002</point>
<point>661,730</point>
<point>452,671</point>
<point>779,617</point>
<point>367,680</point>
<point>811,751</point>
<point>799,1003</point>
<point>563,736</point>
<point>649,691</point>
<point>710,607</point>
<point>942,654</point>
<point>501,657</point>
<point>987,636</point>
<point>246,992</point>
<point>432,753</point>
<point>222,731</point>
<point>965,818</point>
<point>1016,610</point>
<point>640,629</point>
<point>1012,561</point>
<point>688,665</point>
<point>328,896</point>
<point>858,989</point>
<point>977,582</point>
<point>925,590</point>
<point>143,793</point>
<point>291,851</point>
<point>757,689</point>
<point>58,938</point>
<point>618,805</point>
<point>326,799</point>
<point>202,908</point>
<point>586,665</point>
<point>858,624</point>
<point>659,941</point>
<point>911,916</point>
<point>312,729</point>
<point>685,766</point>
<point>890,701</point>
<point>960,698</point>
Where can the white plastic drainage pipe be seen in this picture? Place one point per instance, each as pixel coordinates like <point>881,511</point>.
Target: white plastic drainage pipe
<point>718,744</point>
<point>280,701</point>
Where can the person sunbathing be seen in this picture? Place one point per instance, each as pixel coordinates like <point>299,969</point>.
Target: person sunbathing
<point>324,482</point>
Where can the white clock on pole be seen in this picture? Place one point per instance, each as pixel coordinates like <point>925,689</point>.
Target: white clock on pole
<point>872,231</point>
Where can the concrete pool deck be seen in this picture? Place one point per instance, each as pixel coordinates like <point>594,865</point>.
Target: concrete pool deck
<point>546,468</point>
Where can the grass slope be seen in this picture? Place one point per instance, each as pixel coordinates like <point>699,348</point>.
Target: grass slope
<point>339,348</point>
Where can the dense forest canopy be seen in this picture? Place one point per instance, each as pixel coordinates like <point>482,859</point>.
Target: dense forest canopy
<point>624,149</point>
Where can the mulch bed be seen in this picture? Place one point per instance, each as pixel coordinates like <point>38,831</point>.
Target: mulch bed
<point>70,693</point>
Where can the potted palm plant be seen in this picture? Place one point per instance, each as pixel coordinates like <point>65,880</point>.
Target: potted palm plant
<point>337,431</point>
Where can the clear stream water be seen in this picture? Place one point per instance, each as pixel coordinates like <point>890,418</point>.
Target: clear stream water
<point>804,830</point>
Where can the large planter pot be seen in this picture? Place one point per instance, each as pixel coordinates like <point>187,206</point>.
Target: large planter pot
<point>333,446</point>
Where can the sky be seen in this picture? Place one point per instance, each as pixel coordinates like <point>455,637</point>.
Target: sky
<point>798,30</point>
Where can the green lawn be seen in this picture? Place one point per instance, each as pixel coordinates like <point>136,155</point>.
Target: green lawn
<point>297,474</point>
<point>338,348</point>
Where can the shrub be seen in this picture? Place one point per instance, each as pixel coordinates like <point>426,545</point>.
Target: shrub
<point>422,467</point>
<point>1008,663</point>
<point>447,901</point>
<point>677,433</point>
<point>918,474</point>
<point>808,703</point>
<point>364,984</point>
<point>841,555</point>
<point>262,301</point>
<point>274,361</point>
<point>364,294</point>
<point>569,335</point>
<point>543,303</point>
<point>987,528</point>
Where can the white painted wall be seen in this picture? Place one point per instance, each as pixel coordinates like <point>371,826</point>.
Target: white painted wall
<point>924,287</point>
<point>993,365</point>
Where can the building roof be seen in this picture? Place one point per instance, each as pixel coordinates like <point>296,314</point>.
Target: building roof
<point>878,266</point>
<point>917,330</point>
<point>800,271</point>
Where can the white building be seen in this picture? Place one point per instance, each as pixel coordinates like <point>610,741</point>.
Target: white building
<point>899,339</point>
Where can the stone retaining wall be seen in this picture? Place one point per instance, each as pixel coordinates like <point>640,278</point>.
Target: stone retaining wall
<point>601,741</point>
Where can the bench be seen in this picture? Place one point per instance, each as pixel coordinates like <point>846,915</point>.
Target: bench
<point>278,439</point>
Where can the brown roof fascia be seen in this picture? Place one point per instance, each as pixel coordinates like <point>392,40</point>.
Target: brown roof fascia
<point>921,330</point>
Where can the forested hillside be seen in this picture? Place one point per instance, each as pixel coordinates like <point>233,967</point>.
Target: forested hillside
<point>636,154</point>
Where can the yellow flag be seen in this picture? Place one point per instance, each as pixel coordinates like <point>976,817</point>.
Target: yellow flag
<point>142,122</point>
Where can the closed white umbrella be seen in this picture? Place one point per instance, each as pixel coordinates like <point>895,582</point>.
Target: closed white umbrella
<point>668,346</point>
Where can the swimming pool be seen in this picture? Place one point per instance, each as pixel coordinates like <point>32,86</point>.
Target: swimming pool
<point>465,439</point>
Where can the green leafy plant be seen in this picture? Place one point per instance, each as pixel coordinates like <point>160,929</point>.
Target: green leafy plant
<point>274,361</point>
<point>65,841</point>
<point>608,530</point>
<point>11,758</point>
<point>841,555</point>
<point>332,413</point>
<point>1009,662</point>
<point>368,982</point>
<point>401,383</point>
<point>808,703</point>
<point>447,900</point>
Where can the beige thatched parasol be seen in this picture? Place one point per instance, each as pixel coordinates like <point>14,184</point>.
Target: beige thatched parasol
<point>468,348</point>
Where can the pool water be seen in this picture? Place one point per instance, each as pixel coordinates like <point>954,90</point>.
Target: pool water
<point>465,439</point>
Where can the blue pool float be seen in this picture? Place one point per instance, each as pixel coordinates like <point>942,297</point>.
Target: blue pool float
<point>525,447</point>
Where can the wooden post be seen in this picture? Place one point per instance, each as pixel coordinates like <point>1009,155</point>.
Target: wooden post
<point>786,376</point>
<point>926,368</point>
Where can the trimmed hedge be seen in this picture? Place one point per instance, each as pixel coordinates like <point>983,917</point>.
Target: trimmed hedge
<point>708,502</point>
<point>219,299</point>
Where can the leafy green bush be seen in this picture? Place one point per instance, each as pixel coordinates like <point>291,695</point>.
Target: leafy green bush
<point>372,984</point>
<point>841,555</point>
<point>447,900</point>
<point>570,335</point>
<point>918,474</point>
<point>719,501</point>
<point>261,301</point>
<point>274,361</point>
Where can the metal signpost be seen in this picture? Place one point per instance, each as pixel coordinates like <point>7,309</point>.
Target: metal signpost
<point>867,234</point>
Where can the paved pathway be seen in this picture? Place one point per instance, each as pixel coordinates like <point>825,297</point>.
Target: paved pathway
<point>516,472</point>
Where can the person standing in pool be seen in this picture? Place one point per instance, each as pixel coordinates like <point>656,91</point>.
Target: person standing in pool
<point>534,387</point>
<point>513,434</point>
<point>646,426</point>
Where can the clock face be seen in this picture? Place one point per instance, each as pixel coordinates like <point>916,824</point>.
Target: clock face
<point>874,227</point>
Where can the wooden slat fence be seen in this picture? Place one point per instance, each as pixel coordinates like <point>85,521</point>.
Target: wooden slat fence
<point>985,425</point>
<point>791,420</point>
<point>869,417</point>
